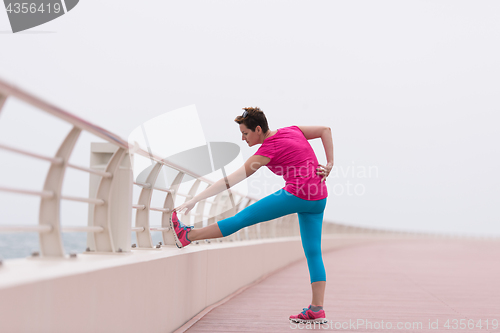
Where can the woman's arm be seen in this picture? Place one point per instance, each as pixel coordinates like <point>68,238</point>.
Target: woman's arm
<point>325,133</point>
<point>250,166</point>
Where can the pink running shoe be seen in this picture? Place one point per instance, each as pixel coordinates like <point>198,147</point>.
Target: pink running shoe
<point>180,231</point>
<point>309,316</point>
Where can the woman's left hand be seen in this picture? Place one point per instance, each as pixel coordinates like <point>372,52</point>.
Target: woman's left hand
<point>188,205</point>
<point>324,171</point>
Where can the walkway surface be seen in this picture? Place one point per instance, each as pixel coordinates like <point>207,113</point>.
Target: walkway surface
<point>448,285</point>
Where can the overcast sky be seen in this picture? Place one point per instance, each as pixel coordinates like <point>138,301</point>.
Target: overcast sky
<point>409,88</point>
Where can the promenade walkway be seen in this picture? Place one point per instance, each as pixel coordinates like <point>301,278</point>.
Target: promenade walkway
<point>449,284</point>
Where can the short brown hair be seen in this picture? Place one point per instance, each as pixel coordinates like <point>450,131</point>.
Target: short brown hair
<point>254,118</point>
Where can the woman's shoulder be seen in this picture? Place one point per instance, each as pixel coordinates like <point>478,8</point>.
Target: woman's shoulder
<point>289,128</point>
<point>293,129</point>
<point>284,133</point>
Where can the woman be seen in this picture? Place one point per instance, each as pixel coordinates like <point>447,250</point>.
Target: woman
<point>285,152</point>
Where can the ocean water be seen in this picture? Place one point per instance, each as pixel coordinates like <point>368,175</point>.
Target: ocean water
<point>21,245</point>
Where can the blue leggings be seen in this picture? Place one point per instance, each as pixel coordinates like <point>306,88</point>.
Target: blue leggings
<point>279,204</point>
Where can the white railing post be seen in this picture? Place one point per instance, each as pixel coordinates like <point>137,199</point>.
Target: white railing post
<point>168,236</point>
<point>200,211</point>
<point>51,242</point>
<point>191,194</point>
<point>227,210</point>
<point>115,216</point>
<point>142,215</point>
<point>215,209</point>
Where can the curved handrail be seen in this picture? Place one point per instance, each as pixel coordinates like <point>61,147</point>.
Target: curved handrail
<point>11,90</point>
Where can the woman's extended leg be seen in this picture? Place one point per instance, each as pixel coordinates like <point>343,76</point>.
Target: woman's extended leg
<point>275,205</point>
<point>310,233</point>
<point>208,232</point>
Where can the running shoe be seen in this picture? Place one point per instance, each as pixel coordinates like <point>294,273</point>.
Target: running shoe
<point>180,231</point>
<point>309,316</point>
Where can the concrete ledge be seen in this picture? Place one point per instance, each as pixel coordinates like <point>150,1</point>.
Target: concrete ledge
<point>145,291</point>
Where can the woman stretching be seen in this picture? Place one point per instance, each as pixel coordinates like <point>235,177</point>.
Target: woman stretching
<point>287,153</point>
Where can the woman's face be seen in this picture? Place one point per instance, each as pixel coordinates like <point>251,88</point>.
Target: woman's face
<point>252,138</point>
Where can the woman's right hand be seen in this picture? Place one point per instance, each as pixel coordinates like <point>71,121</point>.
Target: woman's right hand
<point>188,205</point>
<point>324,170</point>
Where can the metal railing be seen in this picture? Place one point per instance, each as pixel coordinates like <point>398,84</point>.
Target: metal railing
<point>108,231</point>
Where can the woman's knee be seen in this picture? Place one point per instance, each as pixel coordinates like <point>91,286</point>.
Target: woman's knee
<point>312,252</point>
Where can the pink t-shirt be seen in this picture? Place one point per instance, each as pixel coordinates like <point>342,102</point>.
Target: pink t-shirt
<point>293,158</point>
